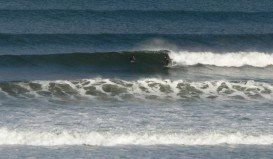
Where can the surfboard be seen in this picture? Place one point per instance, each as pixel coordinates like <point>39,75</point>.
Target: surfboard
<point>171,64</point>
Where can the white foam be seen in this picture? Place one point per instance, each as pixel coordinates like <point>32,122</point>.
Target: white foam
<point>238,59</point>
<point>9,137</point>
<point>153,88</point>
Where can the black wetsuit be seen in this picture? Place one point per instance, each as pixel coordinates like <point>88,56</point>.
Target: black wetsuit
<point>132,59</point>
<point>167,60</point>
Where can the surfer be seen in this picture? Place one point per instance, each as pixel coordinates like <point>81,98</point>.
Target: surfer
<point>132,59</point>
<point>167,60</point>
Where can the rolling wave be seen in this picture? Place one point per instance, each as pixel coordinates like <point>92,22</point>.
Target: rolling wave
<point>143,89</point>
<point>144,59</point>
<point>11,137</point>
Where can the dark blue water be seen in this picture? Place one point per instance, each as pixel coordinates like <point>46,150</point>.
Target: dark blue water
<point>67,83</point>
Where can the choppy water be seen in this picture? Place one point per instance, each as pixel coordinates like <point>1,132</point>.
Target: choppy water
<point>69,90</point>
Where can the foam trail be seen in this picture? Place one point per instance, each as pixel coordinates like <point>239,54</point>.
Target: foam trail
<point>10,137</point>
<point>256,59</point>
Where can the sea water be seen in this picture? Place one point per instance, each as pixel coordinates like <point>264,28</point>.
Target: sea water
<point>68,89</point>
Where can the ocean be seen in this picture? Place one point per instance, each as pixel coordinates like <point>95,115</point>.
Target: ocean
<point>69,90</point>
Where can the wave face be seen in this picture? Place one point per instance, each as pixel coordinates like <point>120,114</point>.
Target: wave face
<point>145,89</point>
<point>110,59</point>
<point>9,137</point>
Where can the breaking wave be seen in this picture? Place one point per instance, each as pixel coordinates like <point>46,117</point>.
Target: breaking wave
<point>144,59</point>
<point>256,59</point>
<point>12,137</point>
<point>149,88</point>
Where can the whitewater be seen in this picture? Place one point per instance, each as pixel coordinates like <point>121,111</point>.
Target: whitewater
<point>142,89</point>
<point>233,59</point>
<point>9,137</point>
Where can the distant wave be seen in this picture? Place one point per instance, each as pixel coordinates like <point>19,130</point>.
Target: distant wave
<point>152,10</point>
<point>142,89</point>
<point>13,137</point>
<point>135,38</point>
<point>137,21</point>
<point>26,44</point>
<point>204,16</point>
<point>143,5</point>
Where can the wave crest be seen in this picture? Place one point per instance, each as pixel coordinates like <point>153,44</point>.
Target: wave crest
<point>256,59</point>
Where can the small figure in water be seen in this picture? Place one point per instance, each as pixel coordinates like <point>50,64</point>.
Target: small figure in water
<point>167,60</point>
<point>132,59</point>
